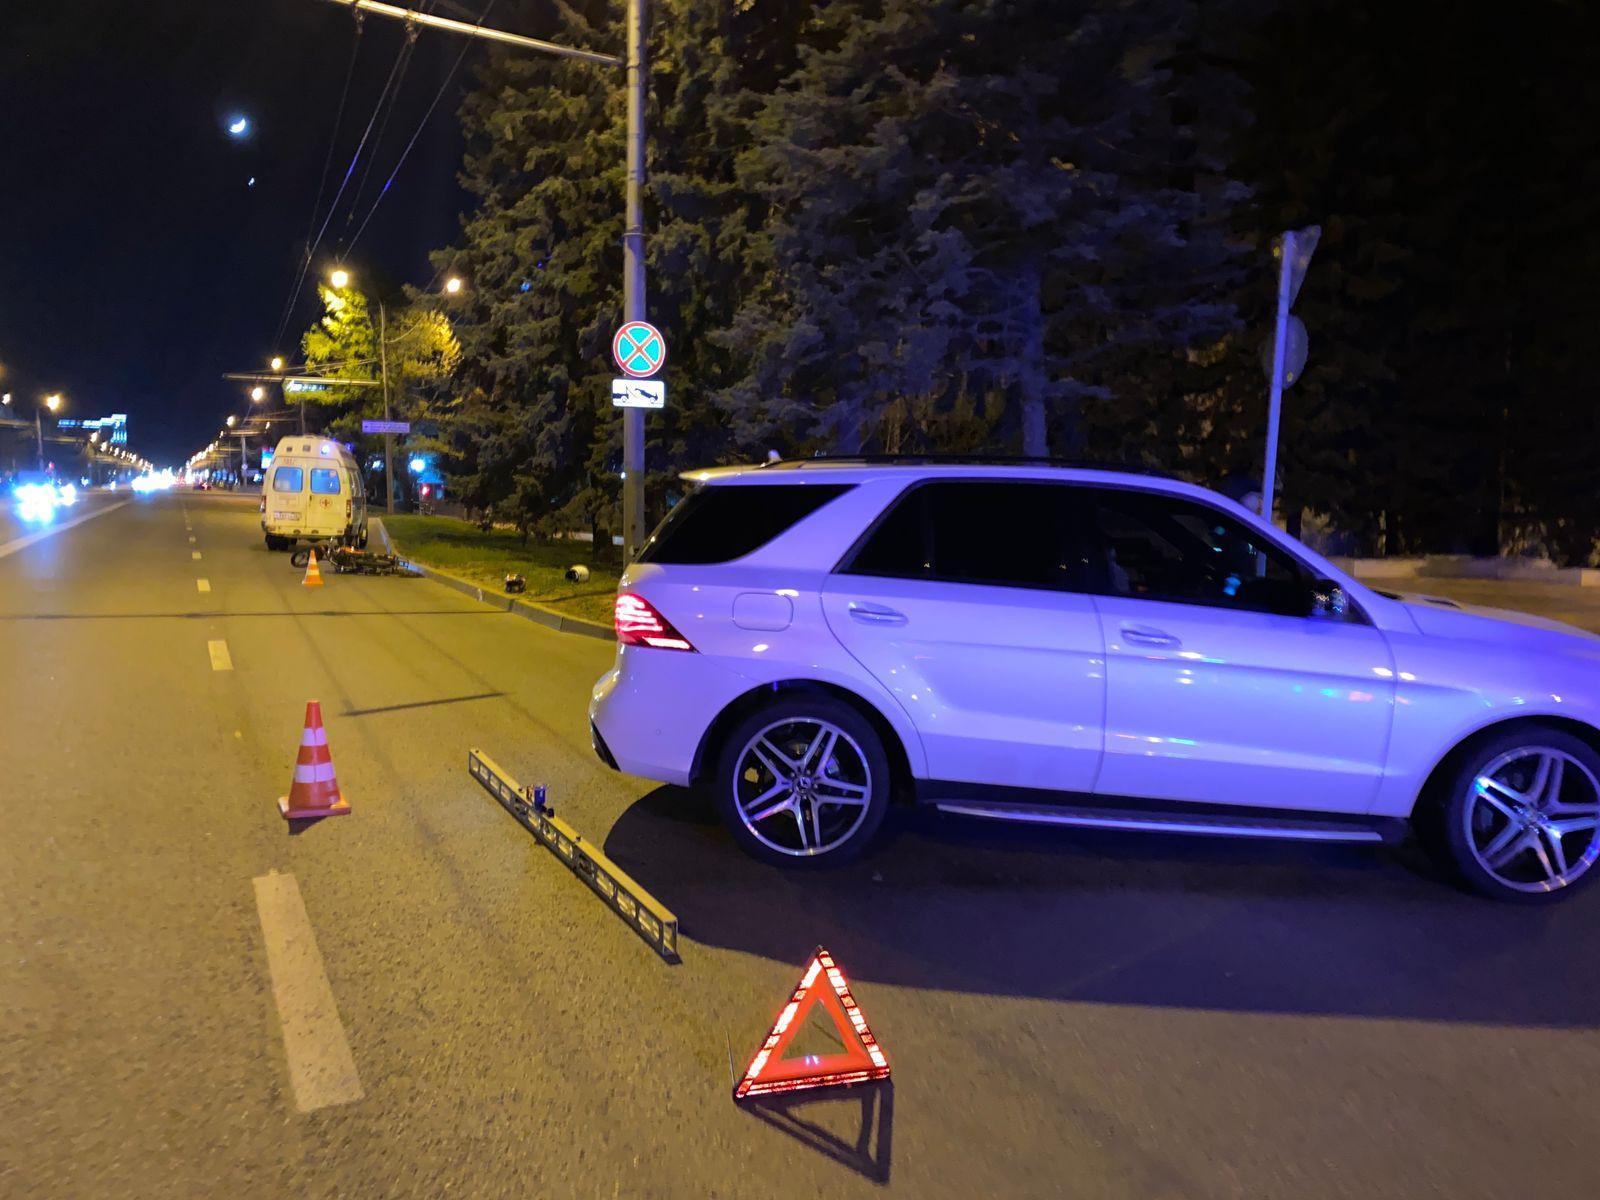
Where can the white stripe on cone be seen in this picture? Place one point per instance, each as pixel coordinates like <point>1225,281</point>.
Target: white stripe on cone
<point>314,737</point>
<point>313,773</point>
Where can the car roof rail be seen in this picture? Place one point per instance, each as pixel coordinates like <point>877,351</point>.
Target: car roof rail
<point>966,460</point>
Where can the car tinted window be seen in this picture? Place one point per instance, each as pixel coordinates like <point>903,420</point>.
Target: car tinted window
<point>719,524</point>
<point>1007,534</point>
<point>1171,548</point>
<point>288,479</point>
<point>324,481</point>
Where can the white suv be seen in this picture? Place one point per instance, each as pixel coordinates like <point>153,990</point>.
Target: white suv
<point>1032,642</point>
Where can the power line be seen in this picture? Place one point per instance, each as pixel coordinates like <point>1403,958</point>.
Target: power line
<point>311,250</point>
<point>377,143</point>
<point>322,184</point>
<point>422,124</point>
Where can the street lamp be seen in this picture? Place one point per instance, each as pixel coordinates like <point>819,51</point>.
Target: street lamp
<point>231,419</point>
<point>277,362</point>
<point>340,279</point>
<point>453,284</point>
<point>53,403</point>
<point>258,393</point>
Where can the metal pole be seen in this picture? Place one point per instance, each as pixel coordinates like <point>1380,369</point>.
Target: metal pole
<point>38,435</point>
<point>388,438</point>
<point>412,16</point>
<point>1280,338</point>
<point>633,281</point>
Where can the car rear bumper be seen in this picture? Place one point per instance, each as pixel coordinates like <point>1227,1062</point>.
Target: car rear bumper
<point>648,713</point>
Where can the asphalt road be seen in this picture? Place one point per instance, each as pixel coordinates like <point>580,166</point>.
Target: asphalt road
<point>1067,1015</point>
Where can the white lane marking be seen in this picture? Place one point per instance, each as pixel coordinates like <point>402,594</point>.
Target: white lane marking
<point>191,541</point>
<point>221,660</point>
<point>22,543</point>
<point>322,1070</point>
<point>195,554</point>
<point>202,585</point>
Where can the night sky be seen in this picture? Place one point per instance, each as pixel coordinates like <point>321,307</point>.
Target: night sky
<point>137,264</point>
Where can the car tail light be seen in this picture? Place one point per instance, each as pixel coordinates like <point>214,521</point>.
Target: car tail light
<point>639,624</point>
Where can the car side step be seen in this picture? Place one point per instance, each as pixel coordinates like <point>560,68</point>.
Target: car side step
<point>1212,824</point>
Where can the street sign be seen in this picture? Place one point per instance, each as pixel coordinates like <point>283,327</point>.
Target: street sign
<point>639,350</point>
<point>296,386</point>
<point>638,393</point>
<point>386,427</point>
<point>1296,345</point>
<point>1304,245</point>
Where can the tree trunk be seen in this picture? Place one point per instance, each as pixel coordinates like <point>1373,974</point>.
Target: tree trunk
<point>1032,382</point>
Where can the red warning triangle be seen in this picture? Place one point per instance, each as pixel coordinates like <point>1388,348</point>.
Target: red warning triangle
<point>861,1061</point>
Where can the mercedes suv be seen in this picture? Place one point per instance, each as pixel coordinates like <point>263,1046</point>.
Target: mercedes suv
<point>812,641</point>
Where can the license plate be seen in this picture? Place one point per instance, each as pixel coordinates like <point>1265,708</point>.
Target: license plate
<point>283,516</point>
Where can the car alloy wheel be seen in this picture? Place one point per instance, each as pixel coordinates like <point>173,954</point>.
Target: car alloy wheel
<point>802,786</point>
<point>1532,820</point>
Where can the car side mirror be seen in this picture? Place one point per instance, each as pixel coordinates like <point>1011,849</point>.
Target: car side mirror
<point>1329,601</point>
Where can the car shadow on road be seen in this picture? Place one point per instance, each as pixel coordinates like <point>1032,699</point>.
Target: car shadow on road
<point>1140,919</point>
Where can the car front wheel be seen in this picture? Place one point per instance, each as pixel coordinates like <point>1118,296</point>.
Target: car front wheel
<point>803,781</point>
<point>1521,820</point>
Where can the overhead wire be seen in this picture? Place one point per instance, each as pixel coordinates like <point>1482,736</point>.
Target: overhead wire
<point>322,183</point>
<point>333,205</point>
<point>421,125</point>
<point>377,143</point>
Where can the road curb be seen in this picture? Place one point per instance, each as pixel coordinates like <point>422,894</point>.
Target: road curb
<point>537,613</point>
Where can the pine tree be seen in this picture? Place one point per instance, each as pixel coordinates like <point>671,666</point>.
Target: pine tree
<point>972,213</point>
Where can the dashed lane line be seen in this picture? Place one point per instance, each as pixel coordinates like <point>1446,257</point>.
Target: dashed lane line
<point>202,585</point>
<point>322,1071</point>
<point>22,543</point>
<point>221,660</point>
<point>195,554</point>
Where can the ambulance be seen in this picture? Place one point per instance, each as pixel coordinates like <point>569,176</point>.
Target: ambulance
<point>313,492</point>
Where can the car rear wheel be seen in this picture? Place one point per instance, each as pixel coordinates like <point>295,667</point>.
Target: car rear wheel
<point>803,782</point>
<point>1521,820</point>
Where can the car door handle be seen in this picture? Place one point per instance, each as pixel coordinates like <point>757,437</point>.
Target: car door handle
<point>1144,635</point>
<point>876,614</point>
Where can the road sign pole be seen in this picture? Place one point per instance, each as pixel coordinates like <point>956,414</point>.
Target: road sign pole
<point>633,282</point>
<point>388,438</point>
<point>1279,341</point>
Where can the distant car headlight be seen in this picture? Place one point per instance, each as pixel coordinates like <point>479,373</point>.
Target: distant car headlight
<point>67,493</point>
<point>34,501</point>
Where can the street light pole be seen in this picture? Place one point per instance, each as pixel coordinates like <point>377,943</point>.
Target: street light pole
<point>633,277</point>
<point>1280,336</point>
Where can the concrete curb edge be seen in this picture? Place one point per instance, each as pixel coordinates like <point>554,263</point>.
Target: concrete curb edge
<point>537,613</point>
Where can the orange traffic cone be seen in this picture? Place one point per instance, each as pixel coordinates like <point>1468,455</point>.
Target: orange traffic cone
<point>313,572</point>
<point>314,792</point>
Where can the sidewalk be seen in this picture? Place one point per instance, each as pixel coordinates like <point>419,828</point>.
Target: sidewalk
<point>1578,606</point>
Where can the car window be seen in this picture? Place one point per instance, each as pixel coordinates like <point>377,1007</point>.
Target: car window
<point>1005,534</point>
<point>324,481</point>
<point>1171,548</point>
<point>718,524</point>
<point>288,479</point>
